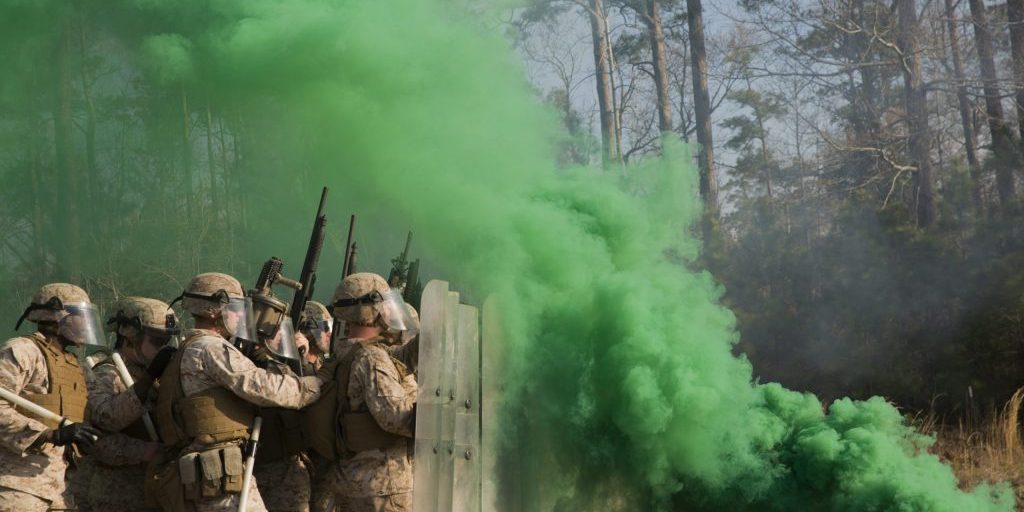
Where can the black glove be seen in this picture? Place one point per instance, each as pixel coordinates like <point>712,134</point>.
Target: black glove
<point>160,361</point>
<point>83,436</point>
<point>153,371</point>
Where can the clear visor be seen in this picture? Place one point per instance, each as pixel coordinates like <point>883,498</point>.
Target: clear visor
<point>283,343</point>
<point>317,333</point>
<point>81,325</point>
<point>161,338</point>
<point>396,316</point>
<point>236,314</point>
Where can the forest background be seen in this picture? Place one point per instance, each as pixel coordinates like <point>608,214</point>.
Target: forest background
<point>861,166</point>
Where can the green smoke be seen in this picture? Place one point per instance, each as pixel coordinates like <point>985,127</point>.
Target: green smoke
<point>621,389</point>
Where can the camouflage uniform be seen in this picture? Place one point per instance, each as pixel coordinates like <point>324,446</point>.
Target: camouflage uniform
<point>208,397</point>
<point>118,475</point>
<point>284,482</point>
<point>209,361</point>
<point>378,477</point>
<point>38,367</point>
<point>30,477</point>
<point>380,480</point>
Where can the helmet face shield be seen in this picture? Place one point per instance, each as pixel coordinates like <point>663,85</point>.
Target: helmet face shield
<point>237,317</point>
<point>283,342</point>
<point>81,325</point>
<point>395,315</point>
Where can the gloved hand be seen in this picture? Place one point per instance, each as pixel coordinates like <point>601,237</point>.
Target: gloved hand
<point>83,436</point>
<point>153,371</point>
<point>160,361</point>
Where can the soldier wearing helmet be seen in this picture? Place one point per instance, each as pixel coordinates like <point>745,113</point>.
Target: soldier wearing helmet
<point>146,331</point>
<point>42,368</point>
<point>378,416</point>
<point>316,325</point>
<point>209,395</point>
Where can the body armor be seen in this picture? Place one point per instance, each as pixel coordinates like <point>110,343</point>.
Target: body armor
<point>67,396</point>
<point>211,417</point>
<point>334,430</point>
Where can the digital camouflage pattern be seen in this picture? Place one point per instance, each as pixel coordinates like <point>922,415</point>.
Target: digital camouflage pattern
<point>17,501</point>
<point>67,293</point>
<point>207,284</point>
<point>284,484</point>
<point>209,361</point>
<point>36,471</point>
<point>376,384</point>
<point>354,287</point>
<point>118,471</point>
<point>151,313</point>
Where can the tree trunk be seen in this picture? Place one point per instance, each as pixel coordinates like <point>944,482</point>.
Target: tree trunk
<point>915,99</point>
<point>186,153</point>
<point>656,37</point>
<point>67,186</point>
<point>866,120</point>
<point>1015,16</point>
<point>702,111</point>
<point>603,73</point>
<point>993,107</point>
<point>211,166</point>
<point>970,138</point>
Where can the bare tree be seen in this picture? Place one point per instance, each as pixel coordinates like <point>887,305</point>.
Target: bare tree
<point>993,105</point>
<point>916,104</point>
<point>702,110</point>
<point>965,107</point>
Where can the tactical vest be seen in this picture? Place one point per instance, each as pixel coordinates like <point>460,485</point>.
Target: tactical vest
<point>210,417</point>
<point>68,395</point>
<point>282,434</point>
<point>334,430</point>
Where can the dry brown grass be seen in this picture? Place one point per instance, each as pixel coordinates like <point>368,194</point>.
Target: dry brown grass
<point>983,451</point>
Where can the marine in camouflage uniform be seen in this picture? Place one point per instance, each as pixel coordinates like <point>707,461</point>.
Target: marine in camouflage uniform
<point>282,467</point>
<point>379,416</point>
<point>208,399</point>
<point>144,329</point>
<point>39,368</point>
<point>315,326</point>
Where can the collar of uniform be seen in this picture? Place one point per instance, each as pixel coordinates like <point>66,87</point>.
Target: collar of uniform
<point>191,334</point>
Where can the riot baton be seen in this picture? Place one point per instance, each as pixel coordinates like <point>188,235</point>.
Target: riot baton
<point>122,370</point>
<point>32,407</point>
<point>250,462</point>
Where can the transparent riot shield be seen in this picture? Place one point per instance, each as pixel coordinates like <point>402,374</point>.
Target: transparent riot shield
<point>448,459</point>
<point>490,400</point>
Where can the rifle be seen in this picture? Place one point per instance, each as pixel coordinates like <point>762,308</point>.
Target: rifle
<point>399,276</point>
<point>347,264</point>
<point>307,279</point>
<point>413,287</point>
<point>349,249</point>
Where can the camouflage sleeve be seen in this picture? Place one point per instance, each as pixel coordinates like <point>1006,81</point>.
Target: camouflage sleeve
<point>20,363</point>
<point>112,406</point>
<point>408,353</point>
<point>229,368</point>
<point>383,392</point>
<point>120,450</point>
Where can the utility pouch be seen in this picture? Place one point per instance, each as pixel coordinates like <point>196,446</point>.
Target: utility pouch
<point>188,469</point>
<point>234,468</point>
<point>163,488</point>
<point>213,473</point>
<point>362,433</point>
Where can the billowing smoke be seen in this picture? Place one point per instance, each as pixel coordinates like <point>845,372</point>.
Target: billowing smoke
<point>621,390</point>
